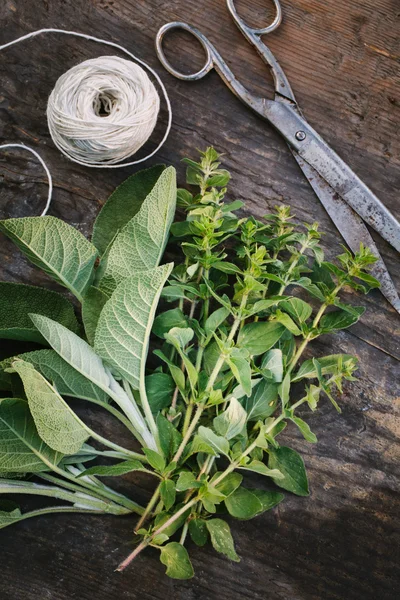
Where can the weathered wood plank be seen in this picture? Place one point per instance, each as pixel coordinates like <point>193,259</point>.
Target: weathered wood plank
<point>343,62</point>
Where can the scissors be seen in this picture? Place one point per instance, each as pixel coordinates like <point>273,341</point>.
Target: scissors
<point>348,201</point>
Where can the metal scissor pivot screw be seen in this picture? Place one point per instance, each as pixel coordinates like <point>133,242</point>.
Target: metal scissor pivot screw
<point>301,136</point>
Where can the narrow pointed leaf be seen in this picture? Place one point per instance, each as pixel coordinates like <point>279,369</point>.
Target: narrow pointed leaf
<point>17,300</point>
<point>56,247</point>
<point>123,204</point>
<point>140,244</point>
<point>125,323</point>
<point>55,421</point>
<point>21,449</point>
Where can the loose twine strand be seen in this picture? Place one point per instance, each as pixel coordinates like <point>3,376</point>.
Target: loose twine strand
<point>102,110</point>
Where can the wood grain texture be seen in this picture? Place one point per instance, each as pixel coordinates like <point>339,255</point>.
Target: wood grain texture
<point>342,59</point>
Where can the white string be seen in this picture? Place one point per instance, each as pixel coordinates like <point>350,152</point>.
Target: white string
<point>79,159</point>
<point>102,110</point>
<point>50,180</point>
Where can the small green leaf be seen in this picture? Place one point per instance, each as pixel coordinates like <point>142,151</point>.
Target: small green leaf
<point>284,389</point>
<point>221,538</point>
<point>229,483</point>
<point>168,320</point>
<point>272,365</point>
<point>340,319</point>
<point>160,388</point>
<point>186,481</point>
<point>199,445</point>
<point>241,370</point>
<point>230,423</point>
<point>305,430</point>
<point>155,460</point>
<point>262,402</point>
<point>175,557</point>
<point>226,267</point>
<point>18,300</point>
<point>216,319</point>
<point>243,504</point>
<point>198,531</point>
<point>259,467</point>
<point>127,466</point>
<point>123,204</point>
<point>329,366</point>
<point>259,337</point>
<point>57,248</point>
<point>219,444</point>
<point>287,322</point>
<point>170,438</point>
<point>167,493</point>
<point>291,465</point>
<point>298,309</point>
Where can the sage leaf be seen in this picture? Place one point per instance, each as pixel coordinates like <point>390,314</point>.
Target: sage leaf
<point>9,517</point>
<point>92,305</point>
<point>67,380</point>
<point>123,204</point>
<point>230,423</point>
<point>175,557</point>
<point>21,449</point>
<point>57,248</point>
<point>17,300</point>
<point>291,465</point>
<point>259,337</point>
<point>221,538</point>
<point>123,331</point>
<point>219,444</point>
<point>167,493</point>
<point>262,402</point>
<point>55,421</point>
<point>140,244</point>
<point>77,353</point>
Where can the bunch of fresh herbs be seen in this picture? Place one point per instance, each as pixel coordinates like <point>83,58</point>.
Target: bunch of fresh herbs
<point>227,373</point>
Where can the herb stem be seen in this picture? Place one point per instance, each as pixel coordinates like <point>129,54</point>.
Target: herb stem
<point>148,508</point>
<point>146,542</point>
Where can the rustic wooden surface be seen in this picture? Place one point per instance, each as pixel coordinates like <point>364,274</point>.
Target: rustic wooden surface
<point>343,60</point>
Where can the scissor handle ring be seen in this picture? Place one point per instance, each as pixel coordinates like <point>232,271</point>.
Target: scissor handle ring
<point>167,65</point>
<point>274,25</point>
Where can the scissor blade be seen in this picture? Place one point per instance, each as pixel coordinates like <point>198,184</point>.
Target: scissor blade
<point>351,227</point>
<point>318,154</point>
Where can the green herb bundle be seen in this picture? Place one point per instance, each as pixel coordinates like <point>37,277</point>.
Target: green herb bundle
<point>228,335</point>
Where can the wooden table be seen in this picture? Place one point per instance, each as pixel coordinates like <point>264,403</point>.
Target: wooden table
<point>343,59</point>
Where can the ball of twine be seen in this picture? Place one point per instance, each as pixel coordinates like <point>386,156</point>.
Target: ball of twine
<point>102,111</point>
